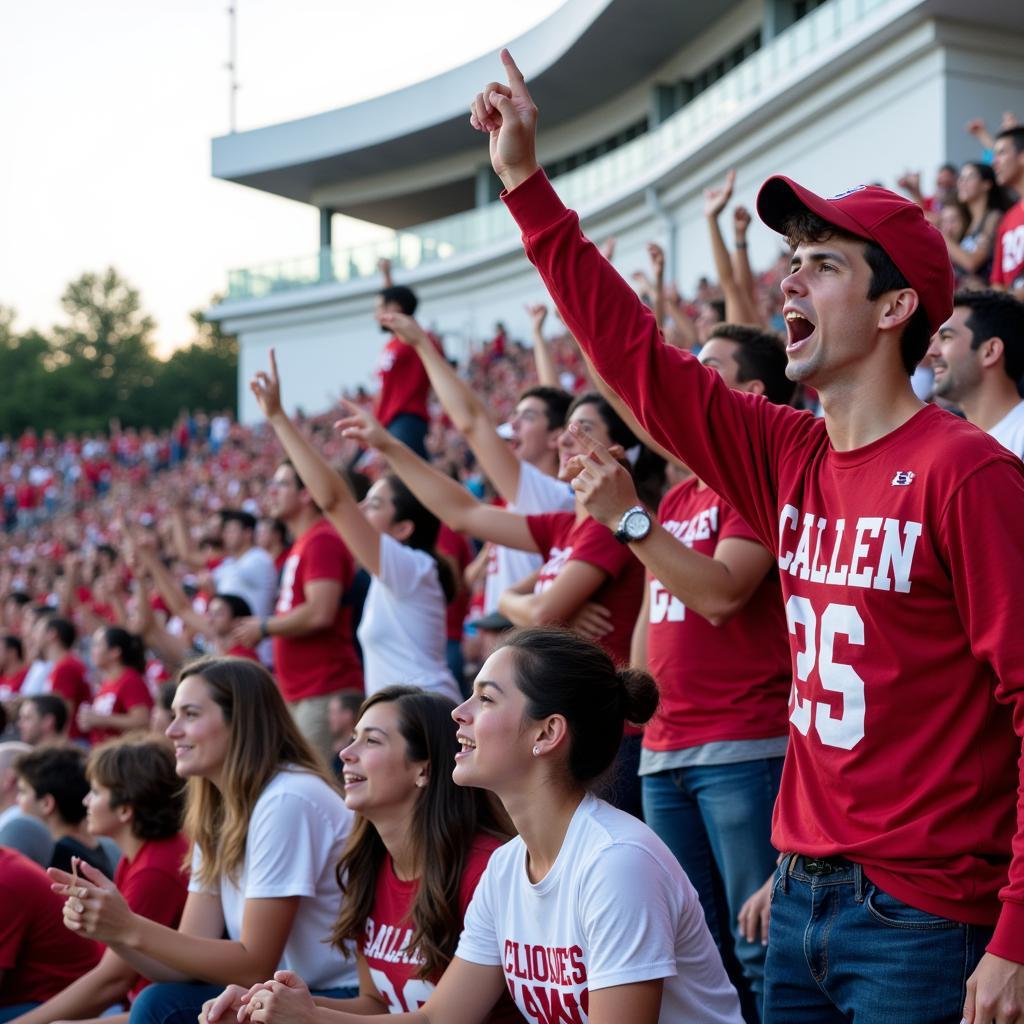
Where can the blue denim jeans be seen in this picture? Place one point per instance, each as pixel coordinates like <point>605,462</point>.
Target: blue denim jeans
<point>180,1002</point>
<point>411,430</point>
<point>840,949</point>
<point>717,820</point>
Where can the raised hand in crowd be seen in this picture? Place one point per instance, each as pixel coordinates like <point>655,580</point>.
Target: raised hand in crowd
<point>508,114</point>
<point>716,199</point>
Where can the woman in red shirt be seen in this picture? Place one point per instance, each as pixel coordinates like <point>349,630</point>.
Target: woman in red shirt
<point>417,850</point>
<point>123,700</point>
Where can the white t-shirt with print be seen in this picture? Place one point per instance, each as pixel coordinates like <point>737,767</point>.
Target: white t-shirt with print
<point>1009,431</point>
<point>403,629</point>
<point>537,493</point>
<point>615,909</point>
<point>296,834</point>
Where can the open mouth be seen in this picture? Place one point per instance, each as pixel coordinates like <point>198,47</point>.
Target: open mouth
<point>798,328</point>
<point>352,779</point>
<point>467,747</point>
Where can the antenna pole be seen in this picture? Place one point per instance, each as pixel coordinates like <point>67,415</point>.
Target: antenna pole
<point>232,65</point>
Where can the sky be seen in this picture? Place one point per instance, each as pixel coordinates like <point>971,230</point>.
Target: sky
<point>107,109</point>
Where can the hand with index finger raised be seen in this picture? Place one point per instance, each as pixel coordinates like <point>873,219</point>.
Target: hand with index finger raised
<point>603,485</point>
<point>507,113</point>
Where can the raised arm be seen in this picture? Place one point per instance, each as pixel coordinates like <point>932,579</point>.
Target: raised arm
<point>741,262</point>
<point>731,440</point>
<point>325,486</point>
<point>737,307</point>
<point>547,373</point>
<point>716,587</point>
<point>446,498</point>
<point>465,409</point>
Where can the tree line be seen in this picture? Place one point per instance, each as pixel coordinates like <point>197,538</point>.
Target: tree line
<point>101,364</point>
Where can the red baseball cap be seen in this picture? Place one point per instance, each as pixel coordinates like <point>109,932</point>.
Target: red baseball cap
<point>896,224</point>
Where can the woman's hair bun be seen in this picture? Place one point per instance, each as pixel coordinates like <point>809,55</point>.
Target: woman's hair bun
<point>639,695</point>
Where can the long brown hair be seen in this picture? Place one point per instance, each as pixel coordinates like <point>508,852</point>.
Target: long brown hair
<point>444,823</point>
<point>262,740</point>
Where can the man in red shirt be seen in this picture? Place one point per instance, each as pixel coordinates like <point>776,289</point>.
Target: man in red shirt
<point>68,678</point>
<point>1008,257</point>
<point>38,956</point>
<point>311,629</point>
<point>403,383</point>
<point>896,530</point>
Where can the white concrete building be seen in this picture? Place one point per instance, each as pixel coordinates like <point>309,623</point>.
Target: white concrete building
<point>643,104</point>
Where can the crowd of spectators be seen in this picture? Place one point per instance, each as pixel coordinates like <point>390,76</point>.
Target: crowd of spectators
<point>330,555</point>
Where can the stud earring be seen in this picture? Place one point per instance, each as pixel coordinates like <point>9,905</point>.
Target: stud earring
<point>536,751</point>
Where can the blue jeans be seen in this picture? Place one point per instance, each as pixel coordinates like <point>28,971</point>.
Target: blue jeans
<point>180,1002</point>
<point>16,1010</point>
<point>717,820</point>
<point>411,430</point>
<point>840,949</point>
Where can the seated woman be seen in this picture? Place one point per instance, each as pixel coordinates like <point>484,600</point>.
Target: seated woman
<point>393,537</point>
<point>586,915</point>
<point>136,799</point>
<point>418,849</point>
<point>123,701</point>
<point>268,826</point>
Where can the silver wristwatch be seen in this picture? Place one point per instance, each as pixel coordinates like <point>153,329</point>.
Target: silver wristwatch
<point>634,525</point>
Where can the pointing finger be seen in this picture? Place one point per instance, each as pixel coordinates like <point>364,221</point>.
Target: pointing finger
<point>273,364</point>
<point>516,82</point>
<point>597,450</point>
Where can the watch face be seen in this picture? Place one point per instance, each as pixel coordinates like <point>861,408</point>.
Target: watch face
<point>637,524</point>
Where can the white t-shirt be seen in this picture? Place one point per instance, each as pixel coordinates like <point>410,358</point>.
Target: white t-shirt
<point>296,834</point>
<point>1009,431</point>
<point>615,909</point>
<point>537,493</point>
<point>403,629</point>
<point>252,576</point>
<point>37,679</point>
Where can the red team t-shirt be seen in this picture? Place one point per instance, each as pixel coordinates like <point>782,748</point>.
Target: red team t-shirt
<point>562,540</point>
<point>68,680</point>
<point>325,661</point>
<point>896,560</point>
<point>393,968</point>
<point>39,957</point>
<point>1008,257</point>
<point>404,384</point>
<point>155,885</point>
<point>725,682</point>
<point>118,696</point>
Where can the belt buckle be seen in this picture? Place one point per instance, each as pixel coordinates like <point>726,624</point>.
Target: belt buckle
<point>819,866</point>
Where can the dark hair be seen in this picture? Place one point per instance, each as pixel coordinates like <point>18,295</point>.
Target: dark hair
<point>948,167</point>
<point>997,199</point>
<point>239,607</point>
<point>802,226</point>
<point>20,598</point>
<point>358,483</point>
<point>299,482</point>
<point>263,739</point>
<point>444,823</point>
<point>132,649</point>
<point>57,770</point>
<point>107,550</point>
<point>13,643</point>
<point>1016,136</point>
<point>425,528</point>
<point>556,403</point>
<point>278,528</point>
<point>236,515</point>
<point>996,314</point>
<point>760,355</point>
<point>648,468</point>
<point>404,298</point>
<point>51,704</point>
<point>561,673</point>
<point>64,630</point>
<point>140,774</point>
<point>211,540</point>
<point>165,694</point>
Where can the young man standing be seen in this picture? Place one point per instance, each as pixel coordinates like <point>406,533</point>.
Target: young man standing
<point>978,358</point>
<point>896,530</point>
<point>1008,258</point>
<point>311,629</point>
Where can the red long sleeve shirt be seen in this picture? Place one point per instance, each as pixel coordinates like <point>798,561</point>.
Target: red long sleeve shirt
<point>898,562</point>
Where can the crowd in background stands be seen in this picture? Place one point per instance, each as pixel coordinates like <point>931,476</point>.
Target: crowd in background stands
<point>127,554</point>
